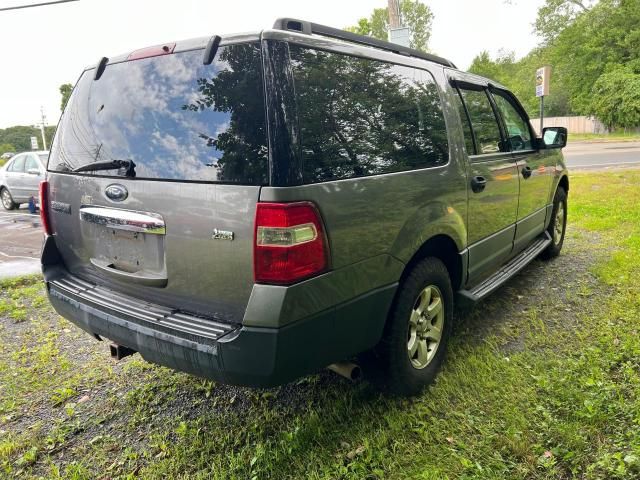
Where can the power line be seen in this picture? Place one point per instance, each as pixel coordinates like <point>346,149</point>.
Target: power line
<point>17,7</point>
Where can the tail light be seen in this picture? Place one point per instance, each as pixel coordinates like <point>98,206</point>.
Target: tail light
<point>44,207</point>
<point>290,243</point>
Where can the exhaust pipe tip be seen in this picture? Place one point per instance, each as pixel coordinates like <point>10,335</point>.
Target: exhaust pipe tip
<point>348,370</point>
<point>120,351</point>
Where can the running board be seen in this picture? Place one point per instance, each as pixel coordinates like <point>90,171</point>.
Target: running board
<point>506,272</point>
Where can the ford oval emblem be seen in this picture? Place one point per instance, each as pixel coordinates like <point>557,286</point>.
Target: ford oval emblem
<point>116,192</point>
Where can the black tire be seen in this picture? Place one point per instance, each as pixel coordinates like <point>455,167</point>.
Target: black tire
<point>399,375</point>
<point>6,199</point>
<point>557,240</point>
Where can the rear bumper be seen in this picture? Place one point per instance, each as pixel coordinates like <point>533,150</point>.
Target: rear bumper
<point>233,354</point>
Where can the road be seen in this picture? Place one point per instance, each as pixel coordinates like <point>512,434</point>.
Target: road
<point>602,155</point>
<point>20,242</point>
<point>21,234</point>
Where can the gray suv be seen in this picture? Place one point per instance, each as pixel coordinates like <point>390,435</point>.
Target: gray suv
<point>254,207</point>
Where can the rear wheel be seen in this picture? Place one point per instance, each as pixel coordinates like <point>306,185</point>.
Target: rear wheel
<point>7,200</point>
<point>558,224</point>
<point>418,329</point>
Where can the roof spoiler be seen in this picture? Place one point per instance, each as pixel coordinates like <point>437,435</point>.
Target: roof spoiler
<point>102,64</point>
<point>210,51</point>
<point>308,28</point>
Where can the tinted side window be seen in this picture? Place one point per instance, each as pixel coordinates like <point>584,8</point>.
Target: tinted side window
<point>483,120</point>
<point>18,164</point>
<point>362,117</point>
<point>466,126</point>
<point>518,131</point>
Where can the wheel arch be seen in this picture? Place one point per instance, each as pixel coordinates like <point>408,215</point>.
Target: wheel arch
<point>444,248</point>
<point>564,183</point>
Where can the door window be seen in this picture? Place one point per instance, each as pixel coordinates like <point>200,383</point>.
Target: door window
<point>361,117</point>
<point>31,164</point>
<point>466,126</point>
<point>18,164</point>
<point>518,131</point>
<point>483,120</point>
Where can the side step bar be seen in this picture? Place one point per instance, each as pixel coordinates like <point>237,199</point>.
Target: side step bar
<point>499,278</point>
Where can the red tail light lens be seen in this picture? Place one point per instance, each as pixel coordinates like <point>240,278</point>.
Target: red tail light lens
<point>289,243</point>
<point>44,207</point>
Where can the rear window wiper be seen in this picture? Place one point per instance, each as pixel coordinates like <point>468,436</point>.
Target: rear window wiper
<point>128,166</point>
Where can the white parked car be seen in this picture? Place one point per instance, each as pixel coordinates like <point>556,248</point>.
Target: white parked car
<point>20,178</point>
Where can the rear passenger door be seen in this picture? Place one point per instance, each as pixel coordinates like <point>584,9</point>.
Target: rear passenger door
<point>493,183</point>
<point>534,166</point>
<point>32,176</point>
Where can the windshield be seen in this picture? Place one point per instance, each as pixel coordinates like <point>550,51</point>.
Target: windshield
<point>174,117</point>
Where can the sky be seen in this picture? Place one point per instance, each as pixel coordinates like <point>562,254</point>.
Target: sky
<point>47,46</point>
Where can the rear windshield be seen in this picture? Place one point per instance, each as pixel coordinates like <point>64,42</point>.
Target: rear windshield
<point>174,117</point>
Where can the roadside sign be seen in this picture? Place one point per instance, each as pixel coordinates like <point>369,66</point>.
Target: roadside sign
<point>400,36</point>
<point>543,77</point>
<point>34,143</point>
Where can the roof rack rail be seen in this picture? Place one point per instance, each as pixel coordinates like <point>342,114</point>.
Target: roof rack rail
<point>302,26</point>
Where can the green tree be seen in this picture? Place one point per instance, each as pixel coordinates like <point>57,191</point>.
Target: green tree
<point>555,15</point>
<point>65,91</point>
<point>414,14</point>
<point>20,137</point>
<point>6,147</point>
<point>519,77</point>
<point>604,39</point>
<point>616,99</point>
<point>584,41</point>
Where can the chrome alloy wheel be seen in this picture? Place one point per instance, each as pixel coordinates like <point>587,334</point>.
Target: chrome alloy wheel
<point>425,327</point>
<point>6,199</point>
<point>558,227</point>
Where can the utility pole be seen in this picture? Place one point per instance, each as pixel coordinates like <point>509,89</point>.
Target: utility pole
<point>393,8</point>
<point>397,33</point>
<point>43,121</point>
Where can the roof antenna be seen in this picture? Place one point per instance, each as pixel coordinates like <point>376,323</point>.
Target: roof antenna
<point>102,64</point>
<point>210,51</point>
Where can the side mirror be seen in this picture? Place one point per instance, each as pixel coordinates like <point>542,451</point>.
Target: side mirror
<point>554,137</point>
<point>33,171</point>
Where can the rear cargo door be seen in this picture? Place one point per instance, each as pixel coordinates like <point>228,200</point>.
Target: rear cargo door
<point>176,228</point>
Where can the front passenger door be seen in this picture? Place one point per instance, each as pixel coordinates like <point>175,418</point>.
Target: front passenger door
<point>535,168</point>
<point>493,184</point>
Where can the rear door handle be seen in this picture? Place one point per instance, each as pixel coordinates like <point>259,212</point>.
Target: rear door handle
<point>478,183</point>
<point>526,172</point>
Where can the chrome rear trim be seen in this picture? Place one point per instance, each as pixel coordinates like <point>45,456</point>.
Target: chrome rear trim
<point>144,222</point>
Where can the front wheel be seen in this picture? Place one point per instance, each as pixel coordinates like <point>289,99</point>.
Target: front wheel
<point>418,329</point>
<point>7,200</point>
<point>558,225</point>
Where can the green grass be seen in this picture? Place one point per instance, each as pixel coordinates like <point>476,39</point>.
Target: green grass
<point>550,389</point>
<point>604,137</point>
